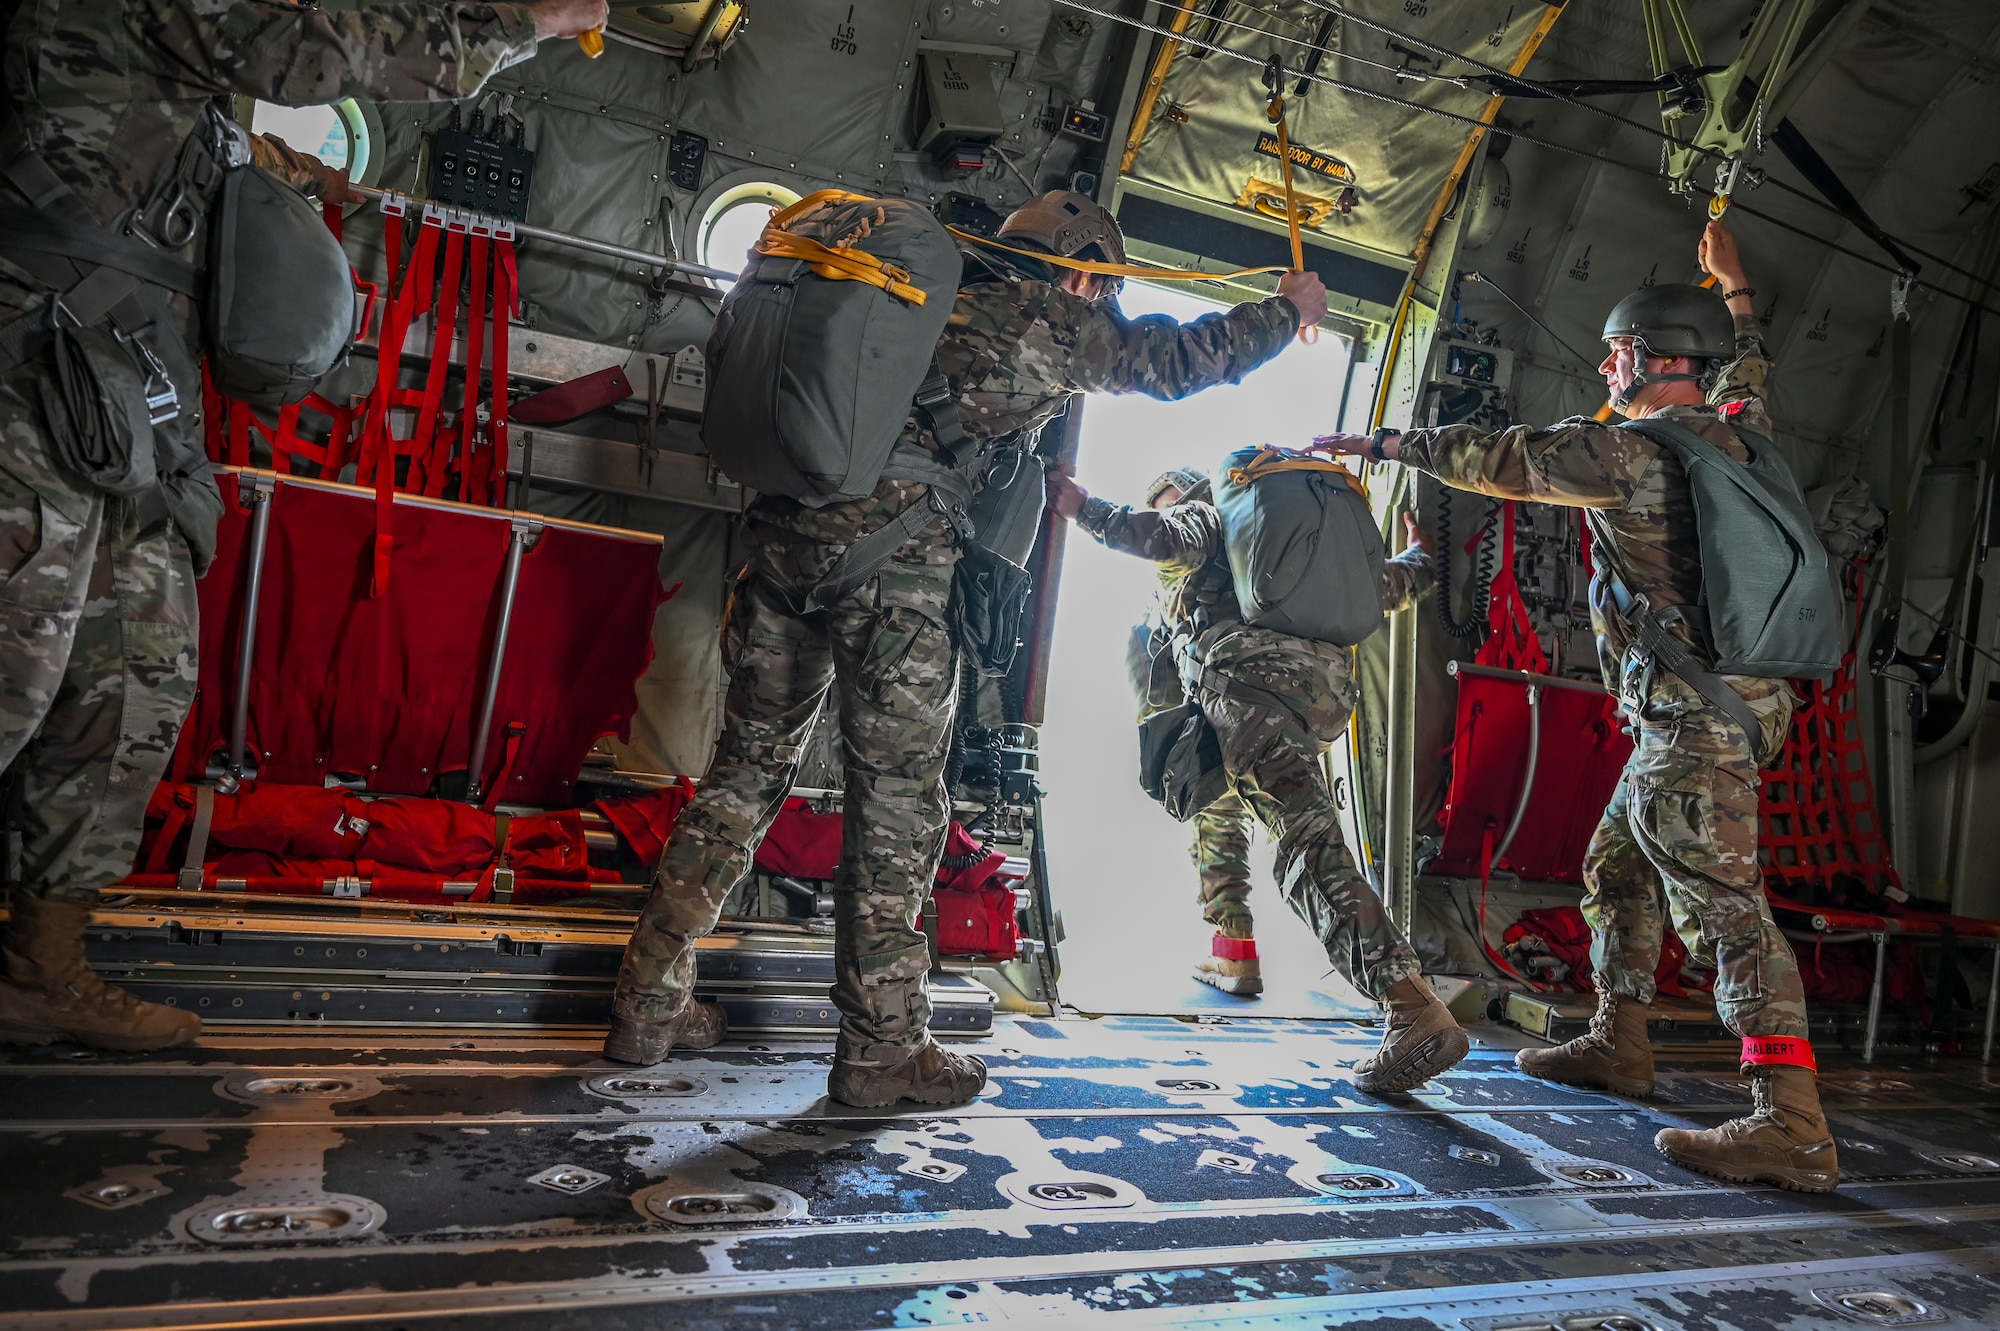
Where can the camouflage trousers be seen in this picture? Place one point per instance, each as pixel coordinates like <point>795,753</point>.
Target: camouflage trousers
<point>886,653</point>
<point>1683,825</point>
<point>1221,854</point>
<point>1273,756</point>
<point>97,664</point>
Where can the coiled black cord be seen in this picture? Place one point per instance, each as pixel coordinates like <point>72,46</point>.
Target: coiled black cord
<point>1482,572</point>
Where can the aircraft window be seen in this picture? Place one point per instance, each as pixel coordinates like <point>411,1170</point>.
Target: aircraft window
<point>336,134</point>
<point>734,221</point>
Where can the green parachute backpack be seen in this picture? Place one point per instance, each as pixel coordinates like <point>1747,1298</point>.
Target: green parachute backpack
<point>1304,552</point>
<point>1774,604</point>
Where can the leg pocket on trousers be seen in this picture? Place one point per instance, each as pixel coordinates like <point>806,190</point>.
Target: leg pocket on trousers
<point>1732,933</point>
<point>908,656</point>
<point>38,552</point>
<point>159,683</point>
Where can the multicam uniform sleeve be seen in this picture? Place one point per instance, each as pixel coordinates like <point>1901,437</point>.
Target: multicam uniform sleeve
<point>1154,355</point>
<point>301,55</point>
<point>1578,463</point>
<point>285,162</point>
<point>1179,539</point>
<point>1739,392</point>
<point>1405,578</point>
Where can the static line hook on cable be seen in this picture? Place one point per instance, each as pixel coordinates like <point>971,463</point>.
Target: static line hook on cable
<point>1274,111</point>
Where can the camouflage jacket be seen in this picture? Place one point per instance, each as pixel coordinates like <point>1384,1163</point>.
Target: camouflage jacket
<point>106,91</point>
<point>1634,493</point>
<point>1197,590</point>
<point>1016,352</point>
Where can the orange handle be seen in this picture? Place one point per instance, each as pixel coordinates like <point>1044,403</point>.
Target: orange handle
<point>591,43</point>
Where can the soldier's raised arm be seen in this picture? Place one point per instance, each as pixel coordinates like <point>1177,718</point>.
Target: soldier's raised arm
<point>1162,358</point>
<point>1181,537</point>
<point>301,55</point>
<point>1408,575</point>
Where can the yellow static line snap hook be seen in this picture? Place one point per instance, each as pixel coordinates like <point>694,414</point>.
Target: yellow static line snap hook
<point>1718,204</point>
<point>591,43</point>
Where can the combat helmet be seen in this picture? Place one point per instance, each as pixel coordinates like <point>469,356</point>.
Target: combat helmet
<point>1185,479</point>
<point>1069,225</point>
<point>1674,319</point>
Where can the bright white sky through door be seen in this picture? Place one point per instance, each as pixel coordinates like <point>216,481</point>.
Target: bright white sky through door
<point>1118,864</point>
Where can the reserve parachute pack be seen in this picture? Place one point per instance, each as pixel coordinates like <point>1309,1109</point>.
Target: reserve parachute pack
<point>820,347</point>
<point>1303,549</point>
<point>1773,600</point>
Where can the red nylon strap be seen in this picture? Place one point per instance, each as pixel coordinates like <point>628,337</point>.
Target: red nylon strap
<point>426,468</point>
<point>379,447</point>
<point>476,318</point>
<point>1233,949</point>
<point>1511,644</point>
<point>515,732</point>
<point>1784,1051</point>
<point>505,298</point>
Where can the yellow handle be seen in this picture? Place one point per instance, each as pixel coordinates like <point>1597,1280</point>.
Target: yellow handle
<point>591,43</point>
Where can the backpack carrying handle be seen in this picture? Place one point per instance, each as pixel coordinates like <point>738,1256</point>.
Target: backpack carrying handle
<point>843,264</point>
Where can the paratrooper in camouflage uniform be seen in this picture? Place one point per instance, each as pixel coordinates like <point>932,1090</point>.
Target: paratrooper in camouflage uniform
<point>1220,841</point>
<point>886,653</point>
<point>1683,821</point>
<point>97,598</point>
<point>1273,755</point>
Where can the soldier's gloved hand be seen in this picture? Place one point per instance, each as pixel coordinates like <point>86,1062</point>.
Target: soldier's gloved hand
<point>1065,495</point>
<point>329,184</point>
<point>568,18</point>
<point>1418,536</point>
<point>1307,294</point>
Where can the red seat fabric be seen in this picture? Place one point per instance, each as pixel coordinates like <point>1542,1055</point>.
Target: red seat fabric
<point>1583,750</point>
<point>386,688</point>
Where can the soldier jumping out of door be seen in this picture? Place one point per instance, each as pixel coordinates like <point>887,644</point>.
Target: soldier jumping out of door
<point>111,129</point>
<point>1684,817</point>
<point>1293,699</point>
<point>1024,338</point>
<point>1221,843</point>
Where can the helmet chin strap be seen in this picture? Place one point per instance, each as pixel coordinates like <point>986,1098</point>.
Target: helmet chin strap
<point>1639,381</point>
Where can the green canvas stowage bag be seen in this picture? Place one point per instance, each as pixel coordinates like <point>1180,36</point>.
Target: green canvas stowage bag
<point>1304,552</point>
<point>1774,605</point>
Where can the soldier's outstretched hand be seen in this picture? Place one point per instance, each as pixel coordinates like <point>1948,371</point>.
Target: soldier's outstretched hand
<point>568,18</point>
<point>1307,294</point>
<point>1065,495</point>
<point>1418,536</point>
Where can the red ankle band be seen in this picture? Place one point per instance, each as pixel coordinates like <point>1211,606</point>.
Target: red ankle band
<point>1234,949</point>
<point>1778,1051</point>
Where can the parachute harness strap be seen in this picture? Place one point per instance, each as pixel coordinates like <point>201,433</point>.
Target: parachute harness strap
<point>1270,460</point>
<point>844,264</point>
<point>1274,111</point>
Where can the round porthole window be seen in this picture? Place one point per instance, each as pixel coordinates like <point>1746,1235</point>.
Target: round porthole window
<point>735,219</point>
<point>338,134</point>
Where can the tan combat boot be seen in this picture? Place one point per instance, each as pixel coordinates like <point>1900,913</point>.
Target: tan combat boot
<point>1420,1038</point>
<point>882,1074</point>
<point>1784,1141</point>
<point>50,993</point>
<point>1231,966</point>
<point>1613,1055</point>
<point>644,1041</point>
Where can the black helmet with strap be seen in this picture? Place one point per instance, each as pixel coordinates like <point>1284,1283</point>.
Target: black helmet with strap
<point>1672,319</point>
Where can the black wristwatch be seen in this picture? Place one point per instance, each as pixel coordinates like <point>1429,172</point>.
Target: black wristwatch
<point>1381,437</point>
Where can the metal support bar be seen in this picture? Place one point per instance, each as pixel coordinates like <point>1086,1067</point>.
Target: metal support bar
<point>1528,777</point>
<point>1875,997</point>
<point>394,201</point>
<point>257,492</point>
<point>525,533</point>
<point>1992,1005</point>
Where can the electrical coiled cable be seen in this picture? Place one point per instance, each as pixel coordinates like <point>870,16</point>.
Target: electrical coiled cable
<point>1475,621</point>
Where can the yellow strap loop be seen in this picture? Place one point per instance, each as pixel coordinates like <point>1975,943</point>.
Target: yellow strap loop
<point>1275,112</point>
<point>845,264</point>
<point>1116,269</point>
<point>1271,460</point>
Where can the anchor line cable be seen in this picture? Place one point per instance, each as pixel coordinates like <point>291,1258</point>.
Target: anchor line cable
<point>1568,150</point>
<point>1484,280</point>
<point>1554,93</point>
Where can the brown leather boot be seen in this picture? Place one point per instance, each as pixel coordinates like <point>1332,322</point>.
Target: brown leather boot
<point>50,993</point>
<point>1231,966</point>
<point>1613,1055</point>
<point>1420,1038</point>
<point>644,1042</point>
<point>1784,1140</point>
<point>882,1074</point>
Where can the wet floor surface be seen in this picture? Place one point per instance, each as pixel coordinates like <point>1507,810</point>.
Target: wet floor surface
<point>1152,1170</point>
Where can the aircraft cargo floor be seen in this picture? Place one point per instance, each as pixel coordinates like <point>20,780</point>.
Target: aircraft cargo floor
<point>1147,1170</point>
